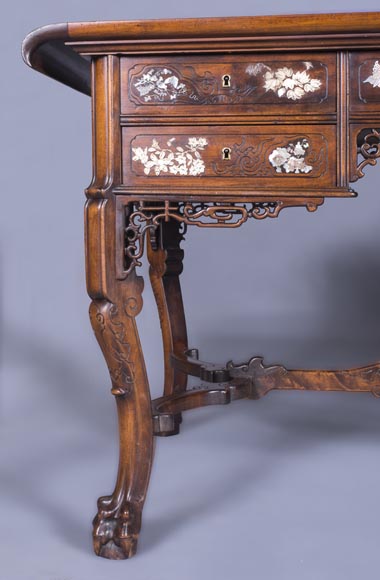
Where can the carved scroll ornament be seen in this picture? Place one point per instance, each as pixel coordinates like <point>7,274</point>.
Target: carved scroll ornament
<point>369,149</point>
<point>114,328</point>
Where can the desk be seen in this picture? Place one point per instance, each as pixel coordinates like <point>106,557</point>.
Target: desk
<point>206,123</point>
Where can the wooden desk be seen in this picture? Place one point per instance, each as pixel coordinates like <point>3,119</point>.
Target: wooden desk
<point>207,123</point>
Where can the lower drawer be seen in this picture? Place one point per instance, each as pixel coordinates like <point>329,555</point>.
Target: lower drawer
<point>293,157</point>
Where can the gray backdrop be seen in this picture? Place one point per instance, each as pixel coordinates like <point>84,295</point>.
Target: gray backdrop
<point>284,488</point>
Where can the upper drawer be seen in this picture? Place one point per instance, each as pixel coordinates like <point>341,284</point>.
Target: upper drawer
<point>365,82</point>
<point>229,84</point>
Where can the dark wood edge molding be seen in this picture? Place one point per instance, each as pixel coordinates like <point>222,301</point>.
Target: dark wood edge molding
<point>52,50</point>
<point>45,50</point>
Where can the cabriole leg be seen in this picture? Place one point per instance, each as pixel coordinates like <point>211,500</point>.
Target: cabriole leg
<point>118,521</point>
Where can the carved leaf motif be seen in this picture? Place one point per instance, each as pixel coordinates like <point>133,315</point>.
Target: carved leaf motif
<point>111,327</point>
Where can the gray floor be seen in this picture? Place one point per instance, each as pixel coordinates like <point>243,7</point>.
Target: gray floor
<point>280,489</point>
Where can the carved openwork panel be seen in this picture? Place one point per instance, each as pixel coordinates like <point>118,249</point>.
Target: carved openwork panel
<point>244,82</point>
<point>367,150</point>
<point>141,218</point>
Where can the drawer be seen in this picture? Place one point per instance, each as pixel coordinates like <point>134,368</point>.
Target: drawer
<point>248,157</point>
<point>229,84</point>
<point>365,82</point>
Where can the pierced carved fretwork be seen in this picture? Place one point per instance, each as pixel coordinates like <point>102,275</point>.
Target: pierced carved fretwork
<point>369,149</point>
<point>143,217</point>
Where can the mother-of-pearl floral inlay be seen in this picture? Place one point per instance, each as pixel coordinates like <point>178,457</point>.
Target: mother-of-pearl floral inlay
<point>175,160</point>
<point>374,78</point>
<point>159,84</point>
<point>286,82</point>
<point>291,159</point>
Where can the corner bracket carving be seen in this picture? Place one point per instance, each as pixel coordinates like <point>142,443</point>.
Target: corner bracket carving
<point>369,149</point>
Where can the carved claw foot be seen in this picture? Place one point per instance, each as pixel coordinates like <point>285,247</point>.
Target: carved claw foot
<point>116,530</point>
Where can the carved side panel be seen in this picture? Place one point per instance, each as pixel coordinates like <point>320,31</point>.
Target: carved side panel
<point>105,126</point>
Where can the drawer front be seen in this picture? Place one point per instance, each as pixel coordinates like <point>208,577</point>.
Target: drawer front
<point>365,82</point>
<point>229,84</point>
<point>210,157</point>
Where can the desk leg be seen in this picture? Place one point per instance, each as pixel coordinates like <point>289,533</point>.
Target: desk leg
<point>118,522</point>
<point>165,258</point>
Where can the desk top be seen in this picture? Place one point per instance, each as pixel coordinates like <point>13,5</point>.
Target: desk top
<point>53,49</point>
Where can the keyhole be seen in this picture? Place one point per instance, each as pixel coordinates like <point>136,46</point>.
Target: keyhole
<point>226,81</point>
<point>226,153</point>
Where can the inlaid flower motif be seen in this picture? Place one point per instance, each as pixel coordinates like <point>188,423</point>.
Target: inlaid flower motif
<point>291,159</point>
<point>178,160</point>
<point>374,78</point>
<point>279,157</point>
<point>159,84</point>
<point>285,82</point>
<point>141,154</point>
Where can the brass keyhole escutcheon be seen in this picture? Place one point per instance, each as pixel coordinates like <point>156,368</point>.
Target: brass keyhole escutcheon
<point>226,153</point>
<point>226,80</point>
